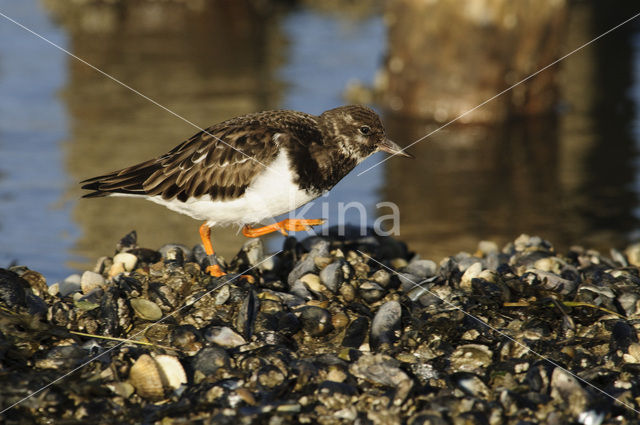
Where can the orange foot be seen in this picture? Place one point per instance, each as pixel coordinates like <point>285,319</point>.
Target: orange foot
<point>292,225</point>
<point>215,270</point>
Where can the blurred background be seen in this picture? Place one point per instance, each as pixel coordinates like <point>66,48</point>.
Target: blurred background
<point>556,157</point>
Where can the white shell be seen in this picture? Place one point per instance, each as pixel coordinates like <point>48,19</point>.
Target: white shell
<point>145,377</point>
<point>171,371</point>
<point>151,377</point>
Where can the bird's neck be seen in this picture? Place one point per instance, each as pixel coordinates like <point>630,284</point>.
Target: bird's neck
<point>321,166</point>
<point>340,162</point>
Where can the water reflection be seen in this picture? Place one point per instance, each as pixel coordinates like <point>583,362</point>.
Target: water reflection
<point>35,227</point>
<point>569,179</point>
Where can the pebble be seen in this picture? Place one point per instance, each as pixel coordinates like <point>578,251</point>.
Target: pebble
<point>90,281</point>
<point>633,254</point>
<point>168,251</point>
<point>371,291</point>
<point>331,276</point>
<point>421,268</point>
<point>224,336</point>
<point>470,273</point>
<point>70,285</point>
<point>320,248</point>
<point>470,358</point>
<point>346,341</point>
<point>385,328</point>
<point>316,321</point>
<point>312,281</point>
<point>145,309</point>
<point>127,260</point>
<point>488,247</point>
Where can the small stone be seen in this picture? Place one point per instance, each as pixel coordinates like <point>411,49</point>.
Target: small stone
<point>488,247</point>
<point>470,358</point>
<point>371,291</point>
<point>381,277</point>
<point>69,285</point>
<point>633,254</point>
<point>408,281</point>
<point>634,353</point>
<point>488,275</point>
<point>312,281</point>
<point>54,289</point>
<point>399,263</point>
<point>127,260</point>
<point>145,309</point>
<point>319,248</point>
<point>567,389</point>
<point>421,268</point>
<point>471,384</point>
<point>618,257</point>
<point>331,276</point>
<point>336,375</point>
<point>89,301</point>
<point>348,292</point>
<point>224,337</point>
<point>301,290</point>
<point>123,389</point>
<point>174,256</point>
<point>339,320</point>
<point>322,262</point>
<point>210,359</point>
<point>252,251</point>
<point>116,269</point>
<point>316,321</point>
<point>548,264</point>
<point>90,281</point>
<point>167,251</point>
<point>386,325</point>
<point>383,370</point>
<point>471,334</point>
<point>222,295</point>
<point>472,272</point>
<point>553,282</point>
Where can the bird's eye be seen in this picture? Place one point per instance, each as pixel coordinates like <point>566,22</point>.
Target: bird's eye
<point>365,130</point>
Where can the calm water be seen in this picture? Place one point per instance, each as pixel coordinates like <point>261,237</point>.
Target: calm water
<point>572,178</point>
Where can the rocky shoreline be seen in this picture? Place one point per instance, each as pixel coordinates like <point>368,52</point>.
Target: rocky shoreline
<point>329,330</point>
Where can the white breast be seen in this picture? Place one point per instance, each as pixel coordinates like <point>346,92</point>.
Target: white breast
<point>271,193</point>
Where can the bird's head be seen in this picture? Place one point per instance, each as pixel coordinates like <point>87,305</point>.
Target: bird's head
<point>358,132</point>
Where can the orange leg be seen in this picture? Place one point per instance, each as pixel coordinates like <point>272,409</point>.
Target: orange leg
<point>205,235</point>
<point>292,225</point>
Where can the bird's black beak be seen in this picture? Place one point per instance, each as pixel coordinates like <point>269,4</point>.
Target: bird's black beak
<point>388,146</point>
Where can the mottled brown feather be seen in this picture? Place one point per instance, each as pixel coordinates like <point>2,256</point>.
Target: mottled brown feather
<point>225,172</point>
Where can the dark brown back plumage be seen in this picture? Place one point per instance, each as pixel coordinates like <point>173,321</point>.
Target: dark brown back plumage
<point>204,164</point>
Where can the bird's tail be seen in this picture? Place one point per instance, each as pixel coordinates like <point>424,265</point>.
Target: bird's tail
<point>128,181</point>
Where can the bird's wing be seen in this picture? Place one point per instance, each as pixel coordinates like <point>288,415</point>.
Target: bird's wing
<point>220,161</point>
